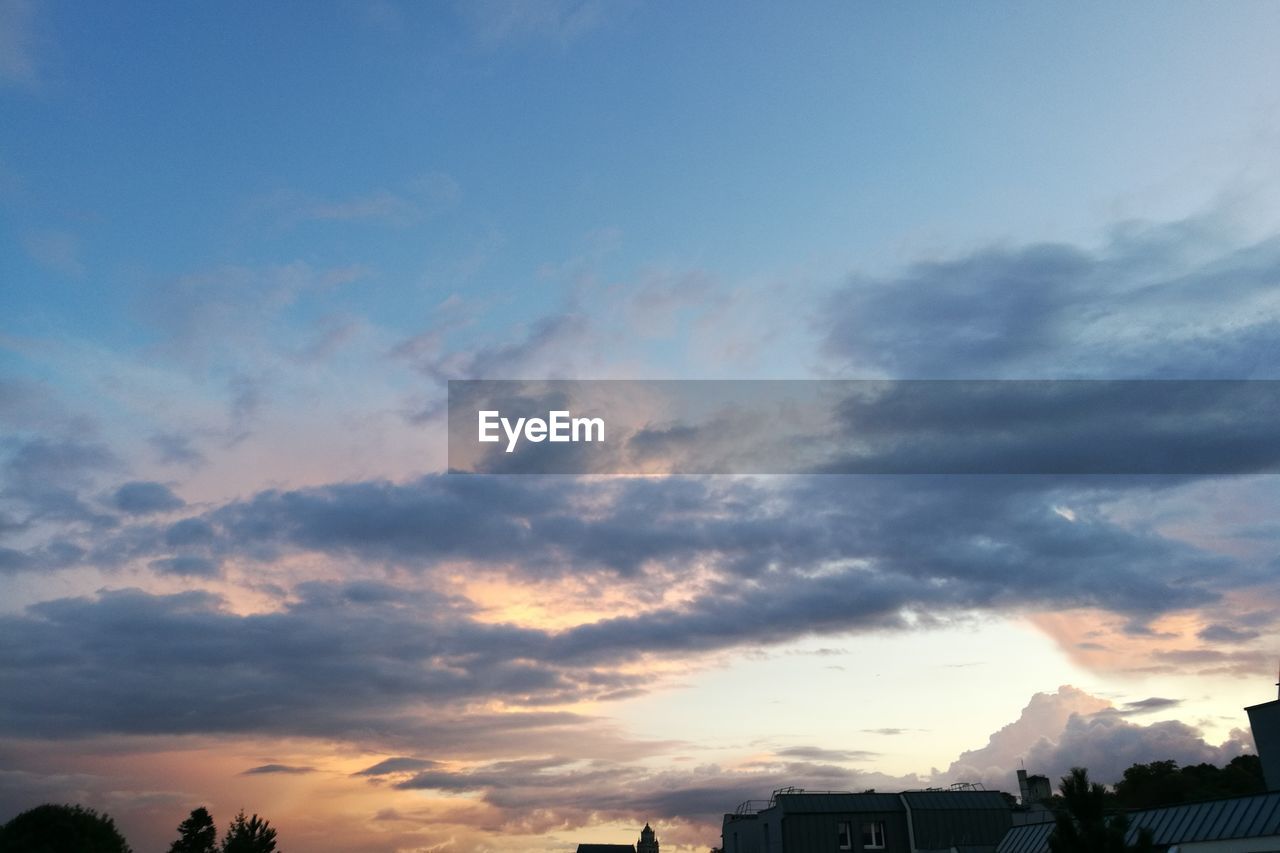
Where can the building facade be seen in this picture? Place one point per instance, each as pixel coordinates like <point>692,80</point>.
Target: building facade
<point>910,822</point>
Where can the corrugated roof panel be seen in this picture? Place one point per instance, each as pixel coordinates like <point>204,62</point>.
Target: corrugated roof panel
<point>1253,816</point>
<point>1030,838</point>
<point>956,800</point>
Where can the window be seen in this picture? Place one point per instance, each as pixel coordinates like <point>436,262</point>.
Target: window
<point>873,835</point>
<point>846,835</point>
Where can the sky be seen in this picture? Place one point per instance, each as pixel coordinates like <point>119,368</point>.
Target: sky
<point>244,246</point>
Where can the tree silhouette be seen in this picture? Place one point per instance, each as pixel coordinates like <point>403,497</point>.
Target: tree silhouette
<point>61,829</point>
<point>196,834</point>
<point>1084,826</point>
<point>1163,783</point>
<point>249,835</point>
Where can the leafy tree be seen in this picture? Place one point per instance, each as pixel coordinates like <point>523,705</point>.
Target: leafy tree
<point>1083,826</point>
<point>249,835</point>
<point>1163,783</point>
<point>61,829</point>
<point>196,834</point>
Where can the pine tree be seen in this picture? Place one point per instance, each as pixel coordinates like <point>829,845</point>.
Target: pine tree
<point>249,835</point>
<point>196,834</point>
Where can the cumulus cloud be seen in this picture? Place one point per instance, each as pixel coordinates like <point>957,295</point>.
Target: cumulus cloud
<point>1071,728</point>
<point>1107,744</point>
<point>1045,715</point>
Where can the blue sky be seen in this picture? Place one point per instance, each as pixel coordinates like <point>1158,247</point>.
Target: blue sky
<point>242,247</point>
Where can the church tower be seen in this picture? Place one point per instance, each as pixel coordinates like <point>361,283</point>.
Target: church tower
<point>648,842</point>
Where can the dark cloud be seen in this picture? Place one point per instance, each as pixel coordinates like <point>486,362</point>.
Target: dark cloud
<point>1218,633</point>
<point>286,769</point>
<point>44,478</point>
<point>817,753</point>
<point>182,664</point>
<point>393,766</point>
<point>782,559</point>
<point>785,557</point>
<point>983,531</point>
<point>1154,703</point>
<point>52,556</point>
<point>143,498</point>
<point>1161,301</point>
<point>189,531</point>
<point>187,566</point>
<point>564,790</point>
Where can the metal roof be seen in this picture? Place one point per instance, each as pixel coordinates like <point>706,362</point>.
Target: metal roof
<point>1255,816</point>
<point>929,800</point>
<point>941,819</point>
<point>804,803</point>
<point>1029,838</point>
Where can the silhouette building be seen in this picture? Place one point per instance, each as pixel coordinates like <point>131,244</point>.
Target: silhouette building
<point>1264,719</point>
<point>648,843</point>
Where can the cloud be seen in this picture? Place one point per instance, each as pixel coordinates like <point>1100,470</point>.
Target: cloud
<point>44,478</point>
<point>398,765</point>
<point>142,497</point>
<point>1219,633</point>
<point>187,566</point>
<point>173,448</point>
<point>1154,703</point>
<point>285,769</point>
<point>817,753</point>
<point>1045,715</point>
<point>1070,728</point>
<point>1155,301</point>
<point>538,349</point>
<point>183,664</point>
<point>1107,744</point>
